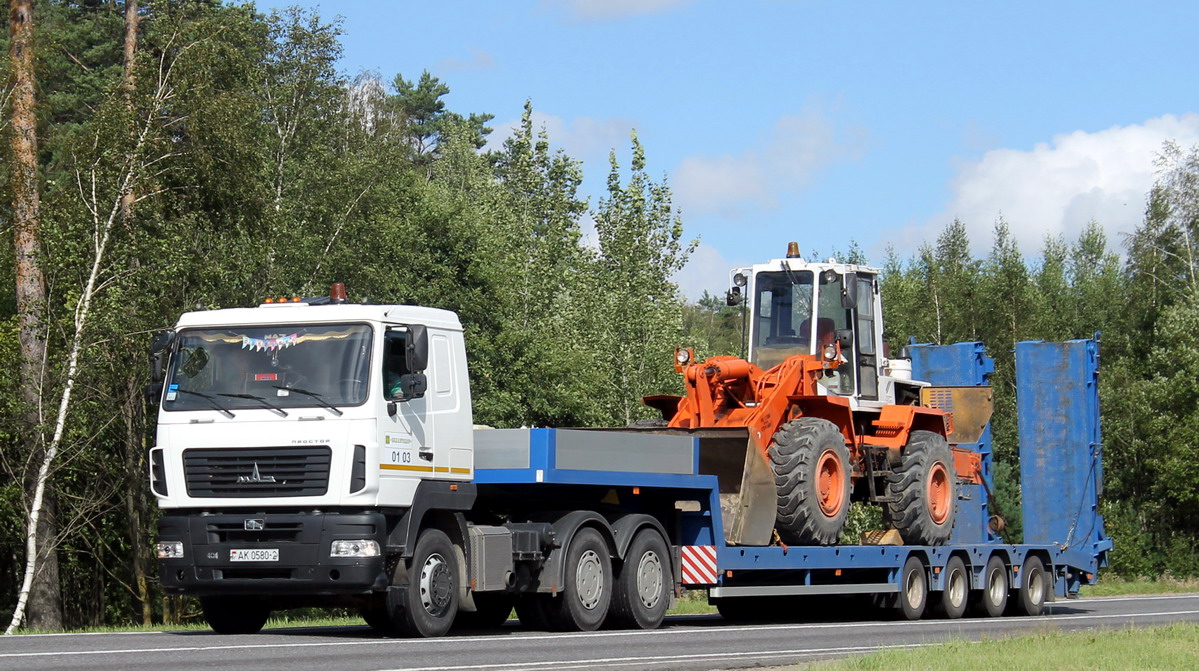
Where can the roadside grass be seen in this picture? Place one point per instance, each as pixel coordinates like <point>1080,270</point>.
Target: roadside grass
<point>1122,587</point>
<point>1174,646</point>
<point>692,602</point>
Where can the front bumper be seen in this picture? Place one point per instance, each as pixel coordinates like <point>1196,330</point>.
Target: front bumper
<point>303,541</point>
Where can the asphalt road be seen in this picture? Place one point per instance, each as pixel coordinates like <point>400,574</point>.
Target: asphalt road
<point>684,642</point>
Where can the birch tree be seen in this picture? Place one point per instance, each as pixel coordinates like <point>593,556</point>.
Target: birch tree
<point>104,185</point>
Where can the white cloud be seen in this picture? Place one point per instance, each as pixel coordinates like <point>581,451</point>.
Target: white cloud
<point>479,60</point>
<point>1057,187</point>
<point>706,270</point>
<point>589,10</point>
<point>582,138</point>
<point>784,160</point>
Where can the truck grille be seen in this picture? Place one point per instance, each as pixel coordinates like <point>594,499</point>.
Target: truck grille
<point>257,472</point>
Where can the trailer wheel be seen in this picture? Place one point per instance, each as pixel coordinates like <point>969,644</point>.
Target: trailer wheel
<point>1034,586</point>
<point>952,601</point>
<point>913,588</point>
<point>430,602</point>
<point>585,597</point>
<point>234,615</point>
<point>642,590</point>
<point>992,598</point>
<point>811,476</point>
<point>924,489</point>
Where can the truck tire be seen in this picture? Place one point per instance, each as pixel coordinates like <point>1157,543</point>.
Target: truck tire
<point>951,602</point>
<point>1029,598</point>
<point>587,591</point>
<point>430,603</point>
<point>913,589</point>
<point>811,477</point>
<point>234,615</point>
<point>642,588</point>
<point>925,491</point>
<point>992,598</point>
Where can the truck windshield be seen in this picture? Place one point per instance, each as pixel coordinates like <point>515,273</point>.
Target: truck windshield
<point>782,316</point>
<point>327,365</point>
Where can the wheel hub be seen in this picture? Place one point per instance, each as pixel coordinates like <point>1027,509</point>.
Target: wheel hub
<point>939,493</point>
<point>436,585</point>
<point>589,580</point>
<point>830,483</point>
<point>649,579</point>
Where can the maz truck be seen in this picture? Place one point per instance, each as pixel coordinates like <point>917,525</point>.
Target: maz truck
<point>319,453</point>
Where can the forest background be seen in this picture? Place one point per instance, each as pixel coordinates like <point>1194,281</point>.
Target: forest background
<point>170,155</point>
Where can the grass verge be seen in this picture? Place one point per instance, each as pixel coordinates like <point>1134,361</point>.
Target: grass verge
<point>1173,646</point>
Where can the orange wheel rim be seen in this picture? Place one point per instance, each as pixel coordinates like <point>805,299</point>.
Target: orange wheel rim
<point>830,483</point>
<point>939,494</point>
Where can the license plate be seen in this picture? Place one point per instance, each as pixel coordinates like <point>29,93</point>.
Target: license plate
<point>271,554</point>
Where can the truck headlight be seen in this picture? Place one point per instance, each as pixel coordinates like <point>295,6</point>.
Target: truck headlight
<point>358,548</point>
<point>169,549</point>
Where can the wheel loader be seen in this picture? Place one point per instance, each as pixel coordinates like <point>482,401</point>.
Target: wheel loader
<point>817,415</point>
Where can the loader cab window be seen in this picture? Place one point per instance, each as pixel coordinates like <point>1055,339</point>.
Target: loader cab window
<point>832,317</point>
<point>783,313</point>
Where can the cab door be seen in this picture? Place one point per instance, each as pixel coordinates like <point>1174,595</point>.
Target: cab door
<point>405,440</point>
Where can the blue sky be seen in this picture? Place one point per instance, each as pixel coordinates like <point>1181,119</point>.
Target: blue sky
<point>824,122</point>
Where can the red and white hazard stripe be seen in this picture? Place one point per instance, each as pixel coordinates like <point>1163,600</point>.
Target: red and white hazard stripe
<point>699,564</point>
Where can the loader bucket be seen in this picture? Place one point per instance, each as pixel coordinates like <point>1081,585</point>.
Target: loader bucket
<point>747,492</point>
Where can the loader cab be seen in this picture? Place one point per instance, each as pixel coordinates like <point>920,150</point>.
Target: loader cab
<point>797,307</point>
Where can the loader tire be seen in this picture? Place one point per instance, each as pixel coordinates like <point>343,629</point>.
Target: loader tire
<point>811,477</point>
<point>924,489</point>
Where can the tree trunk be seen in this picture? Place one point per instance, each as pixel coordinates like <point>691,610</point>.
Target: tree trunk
<point>135,495</point>
<point>44,593</point>
<point>128,85</point>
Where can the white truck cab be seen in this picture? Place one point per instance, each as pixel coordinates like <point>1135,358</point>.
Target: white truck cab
<point>306,404</point>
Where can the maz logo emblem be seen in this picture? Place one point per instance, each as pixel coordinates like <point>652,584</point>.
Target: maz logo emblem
<point>254,477</point>
<point>255,525</point>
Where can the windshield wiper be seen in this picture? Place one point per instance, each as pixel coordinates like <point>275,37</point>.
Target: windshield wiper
<point>216,405</point>
<point>315,396</point>
<point>261,400</point>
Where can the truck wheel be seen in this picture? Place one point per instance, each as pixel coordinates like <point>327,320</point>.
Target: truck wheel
<point>913,589</point>
<point>952,601</point>
<point>587,591</point>
<point>992,598</point>
<point>492,611</point>
<point>430,602</point>
<point>811,476</point>
<point>925,490</point>
<point>234,615</point>
<point>642,589</point>
<point>1034,586</point>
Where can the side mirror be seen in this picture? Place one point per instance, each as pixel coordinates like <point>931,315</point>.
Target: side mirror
<point>159,347</point>
<point>153,393</point>
<point>416,351</point>
<point>845,339</point>
<point>849,291</point>
<point>413,385</point>
<point>733,297</point>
